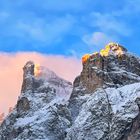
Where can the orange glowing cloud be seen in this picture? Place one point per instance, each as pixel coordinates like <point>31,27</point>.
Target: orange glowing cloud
<point>11,72</point>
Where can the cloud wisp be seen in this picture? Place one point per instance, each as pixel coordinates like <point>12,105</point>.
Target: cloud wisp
<point>97,40</point>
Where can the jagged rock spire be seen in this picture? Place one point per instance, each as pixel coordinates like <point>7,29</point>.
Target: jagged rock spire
<point>28,77</point>
<point>28,69</point>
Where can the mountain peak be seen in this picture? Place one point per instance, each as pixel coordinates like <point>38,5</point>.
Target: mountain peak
<point>34,74</point>
<point>111,67</point>
<point>113,49</point>
<point>110,49</point>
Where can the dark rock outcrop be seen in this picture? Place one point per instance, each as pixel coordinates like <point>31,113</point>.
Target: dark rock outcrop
<point>23,105</point>
<point>28,79</point>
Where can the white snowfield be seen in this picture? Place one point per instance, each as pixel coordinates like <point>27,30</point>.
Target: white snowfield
<point>93,119</point>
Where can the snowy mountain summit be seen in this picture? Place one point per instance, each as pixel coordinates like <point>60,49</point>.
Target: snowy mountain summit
<point>102,104</point>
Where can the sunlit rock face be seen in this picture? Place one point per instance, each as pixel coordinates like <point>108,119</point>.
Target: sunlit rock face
<point>113,49</point>
<point>110,49</point>
<point>112,66</point>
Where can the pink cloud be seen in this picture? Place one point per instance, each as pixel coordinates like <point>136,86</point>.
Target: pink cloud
<point>11,72</point>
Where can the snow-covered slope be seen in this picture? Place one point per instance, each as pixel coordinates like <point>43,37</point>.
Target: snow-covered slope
<point>102,104</point>
<point>107,114</point>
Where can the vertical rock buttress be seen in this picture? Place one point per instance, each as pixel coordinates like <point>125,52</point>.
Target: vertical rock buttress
<point>28,77</point>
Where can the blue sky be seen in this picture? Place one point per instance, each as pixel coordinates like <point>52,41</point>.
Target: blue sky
<point>68,27</point>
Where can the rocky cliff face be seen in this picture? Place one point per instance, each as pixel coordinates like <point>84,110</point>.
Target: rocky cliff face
<point>109,70</point>
<point>103,104</point>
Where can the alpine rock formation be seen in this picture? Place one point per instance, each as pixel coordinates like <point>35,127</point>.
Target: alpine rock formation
<point>102,104</point>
